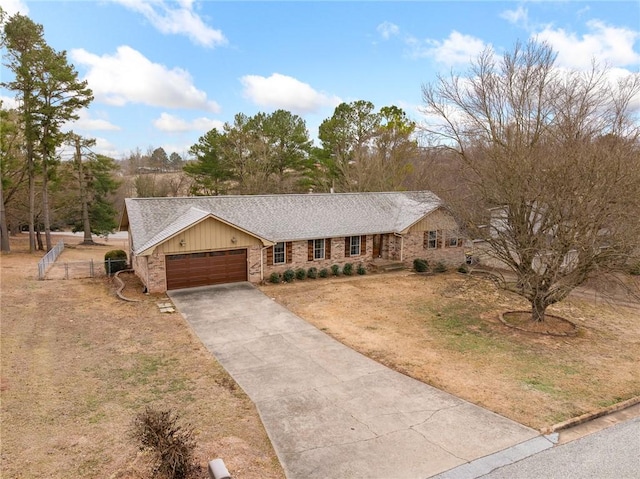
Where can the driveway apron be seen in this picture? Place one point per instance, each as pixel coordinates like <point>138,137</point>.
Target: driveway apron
<point>329,411</point>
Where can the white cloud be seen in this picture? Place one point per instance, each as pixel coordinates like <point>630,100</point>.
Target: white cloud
<point>387,30</point>
<point>458,48</point>
<point>604,43</point>
<point>8,102</point>
<point>129,77</point>
<point>583,11</point>
<point>11,7</point>
<point>85,122</point>
<point>519,16</point>
<point>171,123</point>
<point>176,18</point>
<point>282,91</point>
<point>105,147</point>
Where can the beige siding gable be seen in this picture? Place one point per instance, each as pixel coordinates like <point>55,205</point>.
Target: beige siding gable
<point>207,235</point>
<point>437,220</point>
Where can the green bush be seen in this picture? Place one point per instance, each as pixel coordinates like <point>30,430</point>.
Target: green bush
<point>440,267</point>
<point>347,269</point>
<point>323,273</point>
<point>335,270</point>
<point>635,269</point>
<point>361,269</point>
<point>114,261</point>
<point>301,273</point>
<point>463,268</point>
<point>172,445</point>
<point>274,278</point>
<point>312,272</point>
<point>420,265</point>
<point>288,275</point>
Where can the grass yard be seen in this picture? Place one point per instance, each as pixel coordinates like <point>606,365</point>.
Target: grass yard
<point>78,364</point>
<point>444,330</point>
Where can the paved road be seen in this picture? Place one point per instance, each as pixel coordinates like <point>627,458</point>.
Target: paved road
<point>612,453</point>
<point>331,412</point>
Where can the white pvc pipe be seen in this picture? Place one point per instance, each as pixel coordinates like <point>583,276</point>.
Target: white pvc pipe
<point>217,470</point>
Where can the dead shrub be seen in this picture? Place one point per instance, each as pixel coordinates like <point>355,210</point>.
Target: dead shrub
<point>171,444</point>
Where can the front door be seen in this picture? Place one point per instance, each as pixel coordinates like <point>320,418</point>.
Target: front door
<point>377,246</point>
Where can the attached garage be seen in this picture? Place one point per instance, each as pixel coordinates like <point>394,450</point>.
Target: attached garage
<point>206,268</point>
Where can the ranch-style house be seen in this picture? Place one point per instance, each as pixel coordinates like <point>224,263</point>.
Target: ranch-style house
<point>195,241</point>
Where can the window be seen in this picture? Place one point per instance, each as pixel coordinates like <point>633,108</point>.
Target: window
<point>279,254</point>
<point>318,249</point>
<point>431,238</point>
<point>354,248</point>
<point>453,242</point>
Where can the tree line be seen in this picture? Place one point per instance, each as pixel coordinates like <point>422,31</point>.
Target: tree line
<point>34,182</point>
<point>361,150</point>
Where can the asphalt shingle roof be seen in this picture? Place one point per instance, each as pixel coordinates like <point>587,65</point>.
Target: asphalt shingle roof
<point>280,217</point>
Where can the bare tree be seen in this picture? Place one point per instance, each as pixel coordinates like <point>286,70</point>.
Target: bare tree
<point>556,154</point>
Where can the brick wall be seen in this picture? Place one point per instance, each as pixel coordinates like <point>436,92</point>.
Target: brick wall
<point>254,255</point>
<point>157,277</point>
<point>300,257</point>
<point>152,269</point>
<point>413,247</point>
<point>140,268</point>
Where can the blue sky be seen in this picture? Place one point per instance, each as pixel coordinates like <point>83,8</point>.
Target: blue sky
<point>163,72</point>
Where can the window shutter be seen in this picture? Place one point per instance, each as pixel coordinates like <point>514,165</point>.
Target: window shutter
<point>363,245</point>
<point>289,249</point>
<point>327,248</point>
<point>425,240</point>
<point>310,250</point>
<point>439,239</point>
<point>347,246</point>
<point>270,256</point>
<point>459,242</point>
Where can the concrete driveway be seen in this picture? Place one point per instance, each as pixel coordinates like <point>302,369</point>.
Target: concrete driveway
<point>331,412</point>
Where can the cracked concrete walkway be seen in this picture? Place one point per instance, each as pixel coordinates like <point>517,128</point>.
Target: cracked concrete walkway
<point>331,412</point>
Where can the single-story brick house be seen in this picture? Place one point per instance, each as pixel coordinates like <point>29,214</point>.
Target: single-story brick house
<point>195,241</point>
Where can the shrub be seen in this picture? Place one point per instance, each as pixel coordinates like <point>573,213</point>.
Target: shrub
<point>301,273</point>
<point>420,265</point>
<point>463,268</point>
<point>335,270</point>
<point>114,261</point>
<point>323,273</point>
<point>635,269</point>
<point>361,269</point>
<point>274,278</point>
<point>440,267</point>
<point>288,275</point>
<point>171,444</point>
<point>312,272</point>
<point>347,269</point>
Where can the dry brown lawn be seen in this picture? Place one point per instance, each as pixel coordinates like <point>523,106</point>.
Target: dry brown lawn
<point>444,330</point>
<point>78,364</point>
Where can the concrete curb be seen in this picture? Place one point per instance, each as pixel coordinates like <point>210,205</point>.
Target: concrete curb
<point>484,465</point>
<point>591,415</point>
<point>121,286</point>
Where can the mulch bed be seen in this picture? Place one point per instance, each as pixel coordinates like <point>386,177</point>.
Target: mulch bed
<point>551,326</point>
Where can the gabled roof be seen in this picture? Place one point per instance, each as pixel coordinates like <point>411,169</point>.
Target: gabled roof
<point>275,218</point>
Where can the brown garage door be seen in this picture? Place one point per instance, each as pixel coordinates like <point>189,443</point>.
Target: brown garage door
<point>201,269</point>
